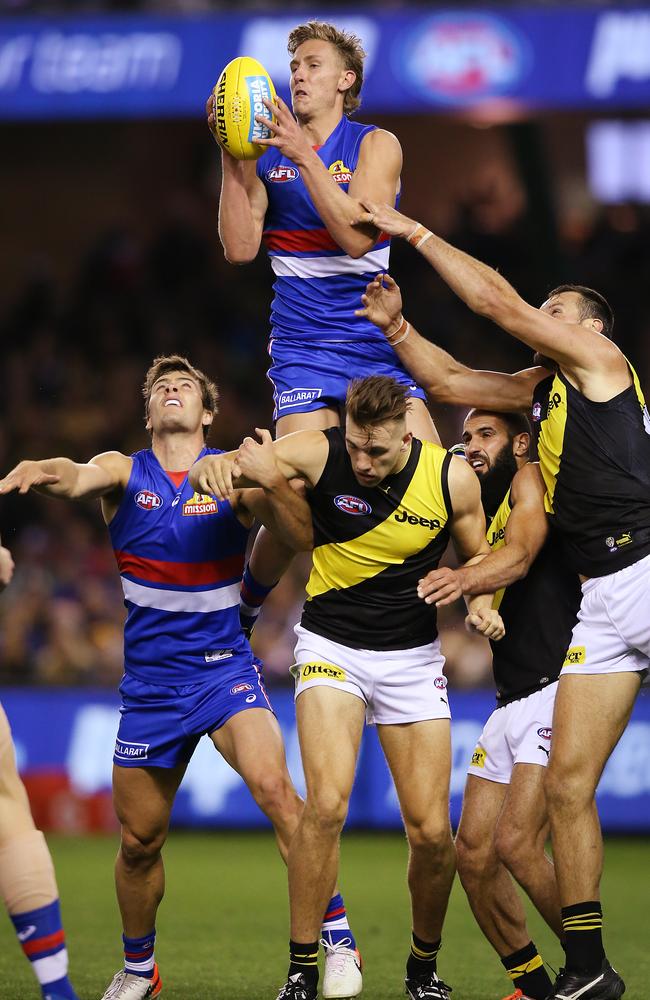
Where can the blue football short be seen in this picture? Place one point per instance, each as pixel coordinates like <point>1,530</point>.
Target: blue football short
<point>307,377</point>
<point>160,726</point>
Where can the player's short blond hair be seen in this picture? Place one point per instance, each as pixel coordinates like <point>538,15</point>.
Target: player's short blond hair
<point>166,363</point>
<point>348,47</point>
<point>376,400</point>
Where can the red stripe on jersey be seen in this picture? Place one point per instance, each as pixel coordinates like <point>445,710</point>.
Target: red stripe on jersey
<point>296,240</point>
<point>183,574</point>
<point>45,943</point>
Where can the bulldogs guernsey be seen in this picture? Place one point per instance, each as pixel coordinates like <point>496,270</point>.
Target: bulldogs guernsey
<point>318,286</point>
<point>181,559</point>
<point>539,613</point>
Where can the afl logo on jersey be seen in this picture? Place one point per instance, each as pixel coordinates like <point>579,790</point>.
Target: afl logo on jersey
<point>440,683</point>
<point>352,505</point>
<point>148,500</point>
<point>282,174</point>
<point>340,173</point>
<point>537,411</point>
<point>545,733</point>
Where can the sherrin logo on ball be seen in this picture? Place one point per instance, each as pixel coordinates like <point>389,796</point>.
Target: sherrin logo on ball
<point>238,97</point>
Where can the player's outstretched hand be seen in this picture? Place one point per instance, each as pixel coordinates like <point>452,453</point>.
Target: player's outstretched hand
<point>256,459</point>
<point>213,475</point>
<point>6,567</point>
<point>286,134</point>
<point>382,304</point>
<point>487,621</point>
<point>441,586</point>
<point>24,476</point>
<point>385,218</point>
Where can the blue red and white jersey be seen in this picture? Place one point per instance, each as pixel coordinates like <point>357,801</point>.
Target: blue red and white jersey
<point>318,286</point>
<point>181,559</point>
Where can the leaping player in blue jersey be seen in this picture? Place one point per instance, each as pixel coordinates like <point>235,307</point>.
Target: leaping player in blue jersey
<point>301,198</point>
<point>189,670</point>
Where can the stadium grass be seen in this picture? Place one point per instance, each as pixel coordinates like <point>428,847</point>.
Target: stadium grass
<point>222,929</point>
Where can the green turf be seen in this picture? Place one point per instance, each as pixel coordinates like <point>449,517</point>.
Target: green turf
<point>222,929</point>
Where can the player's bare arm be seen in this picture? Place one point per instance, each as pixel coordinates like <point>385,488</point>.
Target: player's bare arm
<point>587,356</point>
<point>6,567</point>
<point>526,532</point>
<point>467,530</point>
<point>444,379</point>
<point>243,202</point>
<point>378,170</point>
<point>301,455</point>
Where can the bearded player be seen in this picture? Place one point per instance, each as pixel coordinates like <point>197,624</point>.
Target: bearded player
<point>300,199</point>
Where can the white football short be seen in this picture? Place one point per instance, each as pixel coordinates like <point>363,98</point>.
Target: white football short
<point>517,733</point>
<point>396,685</point>
<point>612,634</point>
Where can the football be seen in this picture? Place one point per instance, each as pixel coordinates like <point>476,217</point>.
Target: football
<point>238,98</point>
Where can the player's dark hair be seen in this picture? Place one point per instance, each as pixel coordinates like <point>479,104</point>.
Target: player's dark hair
<point>516,423</point>
<point>348,47</point>
<point>593,305</point>
<point>166,363</point>
<point>376,400</point>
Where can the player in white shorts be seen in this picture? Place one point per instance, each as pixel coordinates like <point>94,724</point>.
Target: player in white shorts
<point>593,434</point>
<point>383,506</point>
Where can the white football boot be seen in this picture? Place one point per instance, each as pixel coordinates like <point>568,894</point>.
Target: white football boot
<point>342,978</point>
<point>125,986</point>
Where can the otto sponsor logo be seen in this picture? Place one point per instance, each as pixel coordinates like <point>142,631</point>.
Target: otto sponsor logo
<point>297,397</point>
<point>545,732</point>
<point>478,757</point>
<point>575,655</point>
<point>352,505</point>
<point>403,517</point>
<point>463,57</point>
<point>148,500</point>
<point>537,411</point>
<point>282,174</point>
<point>131,751</point>
<point>240,688</point>
<point>200,503</point>
<point>258,89</point>
<point>440,683</point>
<point>620,52</point>
<point>311,670</point>
<point>340,173</point>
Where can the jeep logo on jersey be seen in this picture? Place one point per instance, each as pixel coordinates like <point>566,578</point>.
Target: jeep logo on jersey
<point>546,732</point>
<point>352,505</point>
<point>340,173</point>
<point>147,500</point>
<point>403,517</point>
<point>282,174</point>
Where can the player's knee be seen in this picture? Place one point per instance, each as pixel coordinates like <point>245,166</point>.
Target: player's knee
<point>515,847</point>
<point>275,795</point>
<point>327,808</point>
<point>473,856</point>
<point>141,849</point>
<point>566,789</point>
<point>430,834</point>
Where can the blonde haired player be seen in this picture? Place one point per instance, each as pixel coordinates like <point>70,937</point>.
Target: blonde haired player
<point>27,881</point>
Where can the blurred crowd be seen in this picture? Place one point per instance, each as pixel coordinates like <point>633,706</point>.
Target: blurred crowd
<point>74,360</point>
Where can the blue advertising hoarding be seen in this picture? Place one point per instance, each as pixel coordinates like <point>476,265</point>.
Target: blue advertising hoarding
<point>64,742</point>
<point>417,60</point>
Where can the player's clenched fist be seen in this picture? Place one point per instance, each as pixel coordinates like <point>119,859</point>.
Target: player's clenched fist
<point>24,476</point>
<point>487,621</point>
<point>213,475</point>
<point>256,459</point>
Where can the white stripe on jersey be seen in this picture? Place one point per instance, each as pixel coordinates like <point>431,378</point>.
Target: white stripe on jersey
<point>181,600</point>
<point>326,267</point>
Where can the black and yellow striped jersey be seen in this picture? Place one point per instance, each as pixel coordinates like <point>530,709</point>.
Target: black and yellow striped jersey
<point>595,460</point>
<point>372,545</point>
<point>539,613</point>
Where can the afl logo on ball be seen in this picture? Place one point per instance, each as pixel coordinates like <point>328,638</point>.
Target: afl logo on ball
<point>282,174</point>
<point>545,733</point>
<point>148,500</point>
<point>352,505</point>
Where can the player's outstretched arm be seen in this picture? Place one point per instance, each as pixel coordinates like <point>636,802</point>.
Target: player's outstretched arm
<point>486,292</point>
<point>444,379</point>
<point>281,507</point>
<point>242,205</point>
<point>526,532</point>
<point>105,474</point>
<point>376,176</point>
<point>467,530</point>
